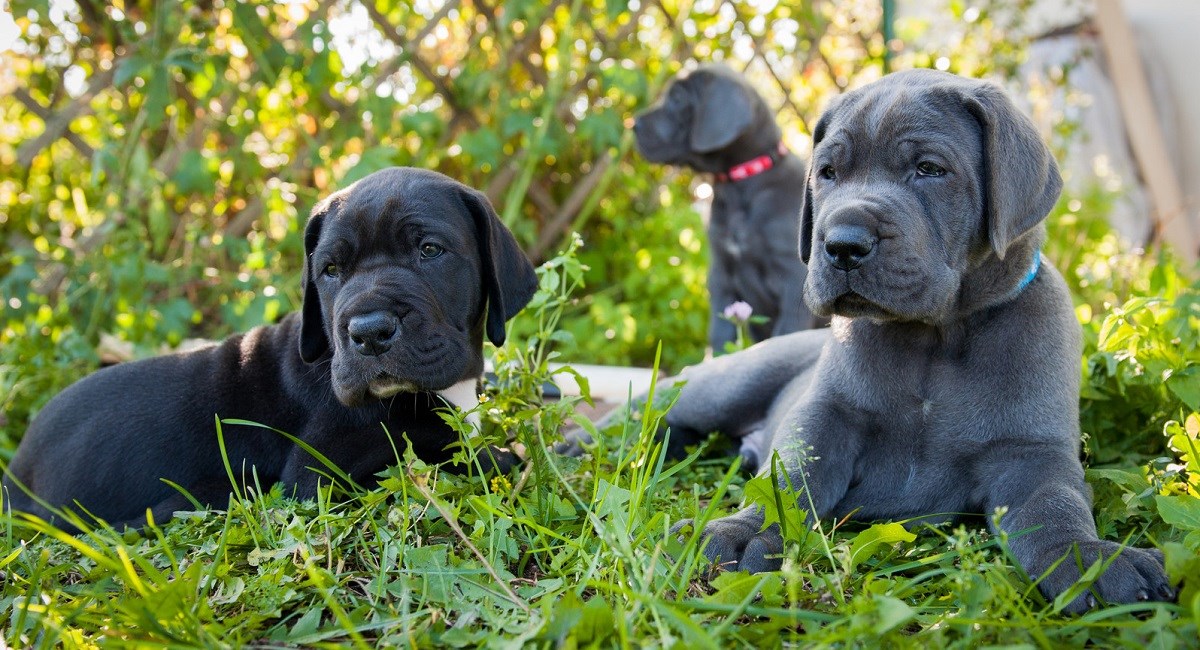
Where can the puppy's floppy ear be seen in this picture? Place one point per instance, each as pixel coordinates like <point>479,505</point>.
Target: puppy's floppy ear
<point>1021,178</point>
<point>722,113</point>
<point>508,278</point>
<point>314,342</point>
<point>806,208</point>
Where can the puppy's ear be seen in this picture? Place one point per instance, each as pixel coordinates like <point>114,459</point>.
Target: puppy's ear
<point>1021,178</point>
<point>314,342</point>
<point>806,208</point>
<point>508,278</point>
<point>723,112</point>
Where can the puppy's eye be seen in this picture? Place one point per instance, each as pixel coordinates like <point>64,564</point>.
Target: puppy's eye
<point>827,172</point>
<point>926,168</point>
<point>331,270</point>
<point>430,251</point>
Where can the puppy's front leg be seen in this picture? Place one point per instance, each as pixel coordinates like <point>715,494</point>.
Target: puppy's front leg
<point>359,451</point>
<point>817,444</point>
<point>1049,519</point>
<point>300,474</point>
<point>733,394</point>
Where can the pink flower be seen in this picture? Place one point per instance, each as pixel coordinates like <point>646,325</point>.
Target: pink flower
<point>739,312</point>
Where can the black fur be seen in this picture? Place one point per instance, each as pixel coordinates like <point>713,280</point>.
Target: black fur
<point>109,442</point>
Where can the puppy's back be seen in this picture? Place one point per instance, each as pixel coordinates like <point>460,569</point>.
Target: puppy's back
<point>109,439</point>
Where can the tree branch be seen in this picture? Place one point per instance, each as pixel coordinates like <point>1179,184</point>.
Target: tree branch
<point>37,109</point>
<point>553,231</point>
<point>58,123</point>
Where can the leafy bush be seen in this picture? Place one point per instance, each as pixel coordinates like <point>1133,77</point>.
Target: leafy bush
<point>1143,371</point>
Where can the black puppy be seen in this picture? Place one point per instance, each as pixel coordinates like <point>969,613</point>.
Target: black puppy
<point>713,121</point>
<point>405,271</point>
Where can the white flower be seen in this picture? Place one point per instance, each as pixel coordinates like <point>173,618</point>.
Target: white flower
<point>739,311</point>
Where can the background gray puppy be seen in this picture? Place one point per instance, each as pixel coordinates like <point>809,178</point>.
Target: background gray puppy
<point>949,381</point>
<point>713,121</point>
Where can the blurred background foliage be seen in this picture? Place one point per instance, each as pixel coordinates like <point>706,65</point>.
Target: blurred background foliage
<point>158,159</point>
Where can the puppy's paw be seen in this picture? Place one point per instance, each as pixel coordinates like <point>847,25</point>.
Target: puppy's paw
<point>497,460</point>
<point>1135,574</point>
<point>754,448</point>
<point>737,543</point>
<point>573,443</point>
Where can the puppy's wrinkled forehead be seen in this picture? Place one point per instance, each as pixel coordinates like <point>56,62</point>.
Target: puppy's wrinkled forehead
<point>387,208</point>
<point>917,108</point>
<point>893,118</point>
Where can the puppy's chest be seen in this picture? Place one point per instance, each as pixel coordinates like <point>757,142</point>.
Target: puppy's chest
<point>924,403</point>
<point>743,221</point>
<point>731,235</point>
<point>915,456</point>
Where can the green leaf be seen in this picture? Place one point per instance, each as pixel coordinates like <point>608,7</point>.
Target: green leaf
<point>892,613</point>
<point>597,623</point>
<point>1179,511</point>
<point>159,220</point>
<point>867,542</point>
<point>158,96</point>
<point>780,505</point>
<point>1181,562</point>
<point>517,122</point>
<point>427,125</point>
<point>432,565</point>
<point>1186,386</point>
<point>585,388</point>
<point>734,587</point>
<point>614,8</point>
<point>195,174</point>
<point>190,59</point>
<point>371,160</point>
<point>611,500</point>
<point>1184,440</point>
<point>1128,480</point>
<point>483,145</point>
<point>564,611</point>
<point>602,129</point>
<point>130,68</point>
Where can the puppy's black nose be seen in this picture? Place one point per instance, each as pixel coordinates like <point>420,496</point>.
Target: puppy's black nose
<point>372,334</point>
<point>847,246</point>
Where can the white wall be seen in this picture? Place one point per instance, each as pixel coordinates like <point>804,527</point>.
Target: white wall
<point>1169,31</point>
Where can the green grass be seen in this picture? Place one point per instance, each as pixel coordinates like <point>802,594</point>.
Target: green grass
<point>577,552</point>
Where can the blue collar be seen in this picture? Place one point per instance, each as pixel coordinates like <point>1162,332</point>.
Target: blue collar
<point>1033,271</point>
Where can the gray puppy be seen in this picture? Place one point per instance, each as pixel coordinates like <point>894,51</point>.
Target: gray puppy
<point>713,121</point>
<point>949,381</point>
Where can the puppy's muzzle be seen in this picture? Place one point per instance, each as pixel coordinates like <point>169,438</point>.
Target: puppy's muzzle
<point>373,333</point>
<point>847,246</point>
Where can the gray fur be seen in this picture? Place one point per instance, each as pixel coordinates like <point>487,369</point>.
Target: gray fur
<point>943,386</point>
<point>710,120</point>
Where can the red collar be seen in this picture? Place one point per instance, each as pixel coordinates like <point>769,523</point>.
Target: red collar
<point>754,166</point>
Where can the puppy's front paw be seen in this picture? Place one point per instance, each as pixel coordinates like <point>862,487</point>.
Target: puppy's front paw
<point>1135,574</point>
<point>497,460</point>
<point>737,543</point>
<point>573,443</point>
